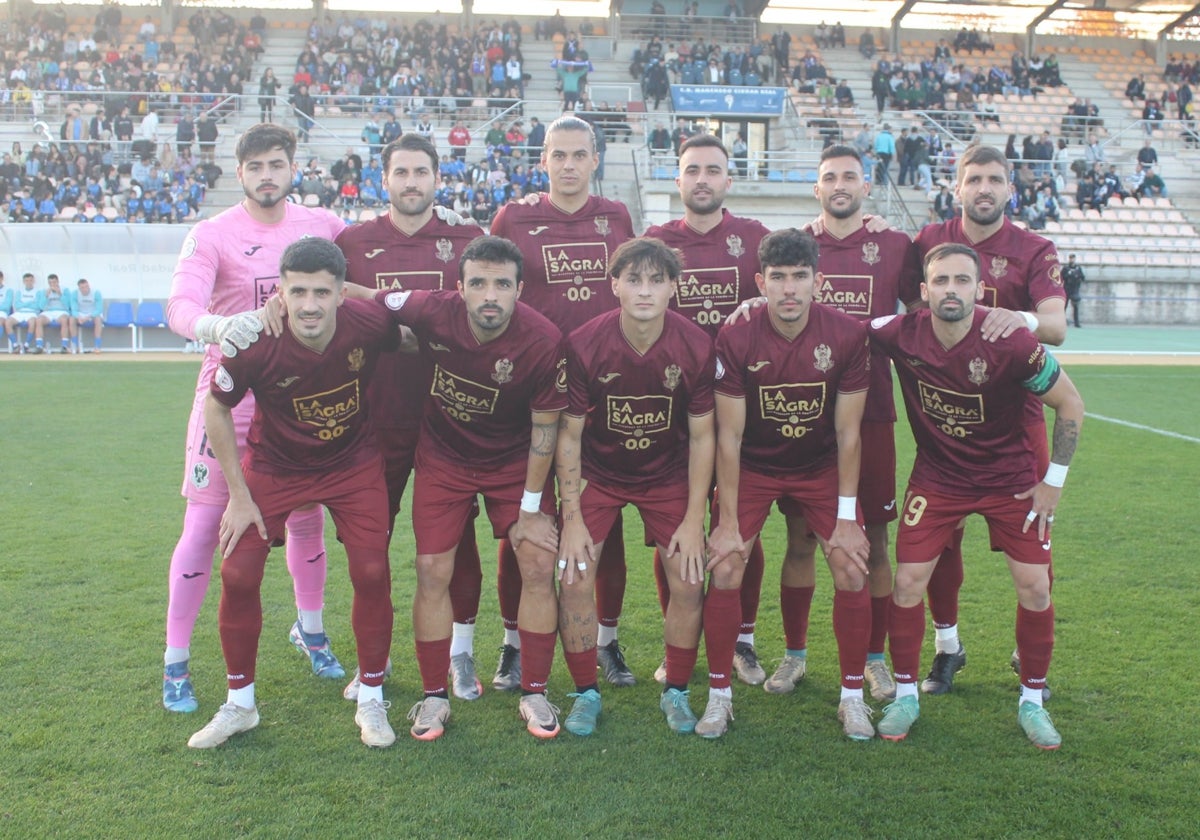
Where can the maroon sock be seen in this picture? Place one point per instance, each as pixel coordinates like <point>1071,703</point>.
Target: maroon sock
<point>433,660</point>
<point>795,602</point>
<point>660,581</point>
<point>852,628</point>
<point>467,578</point>
<point>879,620</point>
<point>722,610</point>
<point>508,584</point>
<point>751,591</point>
<point>610,578</point>
<point>947,579</point>
<point>537,655</point>
<point>680,664</point>
<point>582,666</point>
<point>1035,644</point>
<point>906,632</point>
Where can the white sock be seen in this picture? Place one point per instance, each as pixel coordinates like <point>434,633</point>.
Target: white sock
<point>512,638</point>
<point>605,635</point>
<point>176,654</point>
<point>946,639</point>
<point>312,621</point>
<point>243,697</point>
<point>906,690</point>
<point>369,692</point>
<point>721,692</point>
<point>1031,695</point>
<point>856,693</point>
<point>462,639</point>
<point>746,639</point>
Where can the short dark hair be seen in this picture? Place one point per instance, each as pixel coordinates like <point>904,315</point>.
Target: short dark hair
<point>982,155</point>
<point>263,138</point>
<point>838,150</point>
<point>703,141</point>
<point>645,250</point>
<point>312,254</point>
<point>949,249</point>
<point>491,249</point>
<point>788,247</point>
<point>411,142</point>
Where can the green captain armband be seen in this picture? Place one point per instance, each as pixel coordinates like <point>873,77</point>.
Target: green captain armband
<point>1044,379</point>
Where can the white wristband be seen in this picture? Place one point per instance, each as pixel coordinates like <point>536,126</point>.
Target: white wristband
<point>848,507</point>
<point>1031,321</point>
<point>1056,475</point>
<point>531,502</point>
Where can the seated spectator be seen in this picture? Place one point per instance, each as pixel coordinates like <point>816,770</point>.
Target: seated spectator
<point>1136,89</point>
<point>866,45</point>
<point>1152,184</point>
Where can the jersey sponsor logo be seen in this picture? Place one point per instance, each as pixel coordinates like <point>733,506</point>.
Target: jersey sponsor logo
<point>1055,270</point>
<point>399,281</point>
<point>373,253</point>
<point>709,290</point>
<point>254,249</point>
<point>445,250</point>
<point>264,287</point>
<point>223,379</point>
<point>576,263</point>
<point>792,404</point>
<point>607,377</point>
<point>284,383</point>
<point>356,358</point>
<point>823,358</point>
<point>999,267</point>
<point>989,296</point>
<point>461,397</point>
<point>851,293</point>
<point>396,300</point>
<point>539,229</point>
<point>952,410</point>
<point>977,371</point>
<point>639,417</point>
<point>329,409</point>
<point>199,475</point>
<point>733,245</point>
<point>672,376</point>
<point>503,371</point>
<point>870,253</point>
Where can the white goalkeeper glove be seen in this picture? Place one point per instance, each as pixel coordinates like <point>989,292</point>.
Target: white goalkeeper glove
<point>450,217</point>
<point>232,333</point>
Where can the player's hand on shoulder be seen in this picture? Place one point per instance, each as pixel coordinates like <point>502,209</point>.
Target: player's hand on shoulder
<point>875,224</point>
<point>533,199</point>
<point>451,218</point>
<point>1001,323</point>
<point>742,313</point>
<point>231,332</point>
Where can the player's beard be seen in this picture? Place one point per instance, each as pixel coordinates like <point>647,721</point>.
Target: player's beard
<point>711,203</point>
<point>954,315</point>
<point>846,212</point>
<point>404,206</point>
<point>985,219</point>
<point>267,202</point>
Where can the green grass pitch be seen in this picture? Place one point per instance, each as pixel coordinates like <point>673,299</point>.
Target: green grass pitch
<point>91,512</point>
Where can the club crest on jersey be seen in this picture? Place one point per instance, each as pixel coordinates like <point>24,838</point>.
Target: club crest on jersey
<point>823,358</point>
<point>602,225</point>
<point>445,250</point>
<point>503,371</point>
<point>870,253</point>
<point>199,475</point>
<point>734,245</point>
<point>357,358</point>
<point>999,266</point>
<point>978,371</point>
<point>673,377</point>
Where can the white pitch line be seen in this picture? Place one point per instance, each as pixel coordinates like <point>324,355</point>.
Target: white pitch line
<point>1162,432</point>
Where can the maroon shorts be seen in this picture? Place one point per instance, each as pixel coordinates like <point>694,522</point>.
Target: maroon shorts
<point>355,498</point>
<point>876,476</point>
<point>662,507</point>
<point>813,496</point>
<point>444,497</point>
<point>928,520</point>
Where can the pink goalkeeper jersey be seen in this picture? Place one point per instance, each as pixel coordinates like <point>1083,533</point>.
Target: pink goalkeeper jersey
<point>230,264</point>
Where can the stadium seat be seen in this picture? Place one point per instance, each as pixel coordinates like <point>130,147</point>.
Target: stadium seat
<point>120,316</point>
<point>150,315</point>
<point>774,175</point>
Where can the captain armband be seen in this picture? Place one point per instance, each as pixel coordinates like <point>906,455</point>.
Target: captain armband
<point>1044,379</point>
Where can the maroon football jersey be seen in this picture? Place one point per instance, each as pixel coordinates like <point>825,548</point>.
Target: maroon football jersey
<point>791,387</point>
<point>862,275</point>
<point>718,267</point>
<point>311,411</point>
<point>637,406</point>
<point>380,256</point>
<point>565,275</point>
<point>481,395</point>
<point>966,404</point>
<point>1018,268</point>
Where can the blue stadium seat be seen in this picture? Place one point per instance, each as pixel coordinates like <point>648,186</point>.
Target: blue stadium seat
<point>120,316</point>
<point>774,175</point>
<point>794,176</point>
<point>150,315</point>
